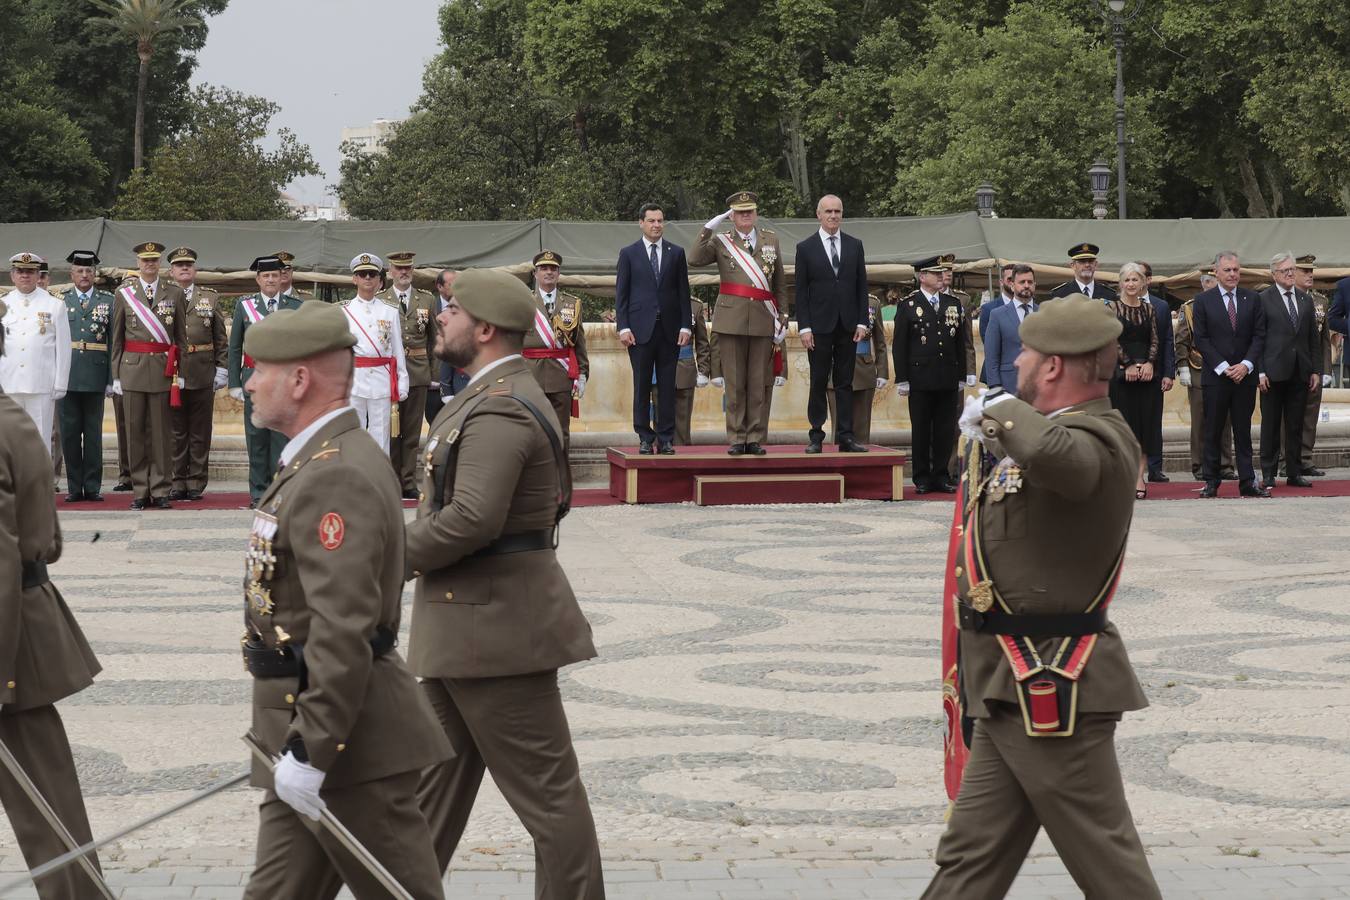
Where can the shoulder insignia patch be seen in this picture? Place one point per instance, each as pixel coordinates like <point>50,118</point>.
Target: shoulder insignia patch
<point>331,531</point>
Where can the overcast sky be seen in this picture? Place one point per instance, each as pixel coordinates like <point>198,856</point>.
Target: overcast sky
<point>330,64</point>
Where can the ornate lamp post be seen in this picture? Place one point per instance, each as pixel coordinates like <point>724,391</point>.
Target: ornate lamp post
<point>984,200</point>
<point>1099,176</point>
<point>1117,13</point>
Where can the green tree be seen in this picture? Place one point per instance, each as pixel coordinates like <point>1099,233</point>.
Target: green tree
<point>214,167</point>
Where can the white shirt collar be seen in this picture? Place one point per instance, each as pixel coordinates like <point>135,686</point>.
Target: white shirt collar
<point>297,443</point>
<point>651,244</point>
<point>1085,288</point>
<point>825,235</point>
<point>930,297</point>
<point>747,237</point>
<point>147,286</point>
<point>547,296</point>
<point>492,365</point>
<point>1006,299</point>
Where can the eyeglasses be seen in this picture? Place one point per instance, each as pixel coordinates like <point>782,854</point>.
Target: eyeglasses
<point>1287,270</point>
<point>367,274</point>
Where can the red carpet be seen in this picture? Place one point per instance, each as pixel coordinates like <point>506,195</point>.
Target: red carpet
<point>1190,490</point>
<point>114,502</point>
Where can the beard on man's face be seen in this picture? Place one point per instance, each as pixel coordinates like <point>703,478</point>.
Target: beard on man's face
<point>457,353</point>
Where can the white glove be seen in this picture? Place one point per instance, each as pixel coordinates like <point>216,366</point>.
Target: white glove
<point>181,382</point>
<point>237,394</point>
<point>1326,381</point>
<point>402,396</point>
<point>1184,376</point>
<point>779,380</point>
<point>60,394</point>
<point>297,785</point>
<point>970,381</point>
<point>702,380</point>
<point>960,385</point>
<point>881,383</point>
<point>220,380</point>
<point>780,334</point>
<point>109,392</point>
<point>581,387</point>
<point>117,386</point>
<point>902,389</point>
<point>719,382</point>
<point>713,223</point>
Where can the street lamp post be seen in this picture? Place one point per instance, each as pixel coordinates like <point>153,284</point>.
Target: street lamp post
<point>1117,13</point>
<point>984,200</point>
<point>1099,176</point>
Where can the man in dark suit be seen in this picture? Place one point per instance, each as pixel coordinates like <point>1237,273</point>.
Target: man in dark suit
<point>1165,374</point>
<point>1340,308</point>
<point>1083,261</point>
<point>831,318</point>
<point>1288,369</point>
<point>652,313</point>
<point>1230,333</point>
<point>1004,298</point>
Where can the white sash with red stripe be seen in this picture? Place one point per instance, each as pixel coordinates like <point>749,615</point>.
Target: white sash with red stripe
<point>148,318</point>
<point>746,263</point>
<point>544,329</point>
<point>251,311</point>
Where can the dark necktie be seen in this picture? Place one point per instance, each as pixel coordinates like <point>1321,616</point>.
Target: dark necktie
<point>834,254</point>
<point>1293,309</point>
<point>656,263</point>
<point>1232,310</point>
<point>271,304</point>
<point>403,302</point>
<point>1026,310</point>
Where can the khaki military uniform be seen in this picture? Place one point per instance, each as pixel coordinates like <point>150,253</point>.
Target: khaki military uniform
<point>566,320</point>
<point>44,657</point>
<point>82,407</point>
<point>207,350</point>
<point>419,337</point>
<point>494,618</point>
<point>745,328</point>
<point>263,444</point>
<point>1189,355</point>
<point>1314,411</point>
<point>145,387</point>
<point>695,360</point>
<point>870,364</point>
<point>1049,545</point>
<point>323,572</point>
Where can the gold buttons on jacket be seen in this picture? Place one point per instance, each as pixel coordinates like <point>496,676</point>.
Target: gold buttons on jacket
<point>1008,425</point>
<point>449,595</point>
<point>11,685</point>
<point>290,698</point>
<point>957,571</point>
<point>341,747</point>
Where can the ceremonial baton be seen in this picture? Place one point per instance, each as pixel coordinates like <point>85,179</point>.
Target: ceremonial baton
<point>67,839</point>
<point>65,859</point>
<point>339,831</point>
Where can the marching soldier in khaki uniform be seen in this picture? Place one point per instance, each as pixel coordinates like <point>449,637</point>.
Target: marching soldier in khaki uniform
<point>494,617</point>
<point>203,371</point>
<point>1189,365</point>
<point>692,370</point>
<point>871,371</point>
<point>89,313</point>
<point>750,316</point>
<point>556,346</point>
<point>44,656</point>
<point>416,310</point>
<point>323,581</point>
<point>1043,672</point>
<point>146,349</point>
<point>1304,282</point>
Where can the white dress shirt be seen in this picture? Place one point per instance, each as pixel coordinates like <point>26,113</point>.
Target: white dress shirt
<point>1224,294</point>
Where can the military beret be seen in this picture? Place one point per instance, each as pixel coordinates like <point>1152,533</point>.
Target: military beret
<point>401,258</point>
<point>495,297</point>
<point>265,264</point>
<point>300,333</point>
<point>929,264</point>
<point>286,257</point>
<point>182,254</point>
<point>547,258</point>
<point>743,201</point>
<point>1070,326</point>
<point>82,258</point>
<point>1306,261</point>
<point>366,262</point>
<point>25,260</point>
<point>1084,251</point>
<point>148,250</point>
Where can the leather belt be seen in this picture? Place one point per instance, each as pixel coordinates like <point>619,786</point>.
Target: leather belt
<point>285,662</point>
<point>416,353</point>
<point>200,348</point>
<point>998,622</point>
<point>34,574</point>
<point>521,542</point>
<point>88,345</point>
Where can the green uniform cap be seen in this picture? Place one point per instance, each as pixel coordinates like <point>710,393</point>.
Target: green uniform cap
<point>289,334</point>
<point>1070,326</point>
<point>495,297</point>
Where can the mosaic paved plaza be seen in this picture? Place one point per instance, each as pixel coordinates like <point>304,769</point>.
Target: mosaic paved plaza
<point>764,720</point>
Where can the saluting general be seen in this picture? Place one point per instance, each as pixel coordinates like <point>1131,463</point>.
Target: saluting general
<point>89,313</point>
<point>381,381</point>
<point>36,369</point>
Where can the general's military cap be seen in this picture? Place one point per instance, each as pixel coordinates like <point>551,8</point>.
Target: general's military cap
<point>182,254</point>
<point>401,258</point>
<point>366,262</point>
<point>947,260</point>
<point>25,260</point>
<point>148,250</point>
<point>82,258</point>
<point>308,330</point>
<point>743,201</point>
<point>267,263</point>
<point>287,258</point>
<point>547,258</point>
<point>1307,262</point>
<point>1084,251</point>
<point>1070,326</point>
<point>495,297</point>
<point>929,264</point>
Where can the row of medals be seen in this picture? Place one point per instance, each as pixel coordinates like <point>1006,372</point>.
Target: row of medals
<point>260,564</point>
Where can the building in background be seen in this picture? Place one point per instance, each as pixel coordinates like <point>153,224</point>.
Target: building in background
<point>371,138</point>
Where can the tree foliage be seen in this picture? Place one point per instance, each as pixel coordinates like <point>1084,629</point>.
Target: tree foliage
<point>214,167</point>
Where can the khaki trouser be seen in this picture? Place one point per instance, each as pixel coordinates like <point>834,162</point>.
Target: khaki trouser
<point>192,439</point>
<point>1014,785</point>
<point>1196,397</point>
<point>403,447</point>
<point>515,728</point>
<point>1310,419</point>
<point>747,366</point>
<point>862,414</point>
<point>149,442</point>
<point>297,860</point>
<point>120,415</point>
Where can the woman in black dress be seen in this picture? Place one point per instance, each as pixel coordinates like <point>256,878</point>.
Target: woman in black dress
<point>1134,391</point>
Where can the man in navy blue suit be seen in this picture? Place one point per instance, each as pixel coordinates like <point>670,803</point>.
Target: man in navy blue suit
<point>1003,343</point>
<point>832,317</point>
<point>652,313</point>
<point>1230,333</point>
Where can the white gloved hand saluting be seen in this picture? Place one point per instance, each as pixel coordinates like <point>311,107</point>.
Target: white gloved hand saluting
<point>716,221</point>
<point>701,380</point>
<point>779,381</point>
<point>719,382</point>
<point>902,389</point>
<point>297,785</point>
<point>976,404</point>
<point>237,394</point>
<point>220,380</point>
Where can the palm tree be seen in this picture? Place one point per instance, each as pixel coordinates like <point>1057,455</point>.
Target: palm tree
<point>146,21</point>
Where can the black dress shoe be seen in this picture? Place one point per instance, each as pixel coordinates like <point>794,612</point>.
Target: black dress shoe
<point>755,449</point>
<point>194,495</point>
<point>1158,476</point>
<point>94,498</point>
<point>849,445</point>
<point>922,489</point>
<point>1228,475</point>
<point>1251,489</point>
<point>1210,490</point>
<point>178,495</point>
<point>161,503</point>
<point>410,495</point>
<point>645,448</point>
<point>946,487</point>
<point>121,486</point>
<point>736,450</point>
<point>665,449</point>
<point>1313,472</point>
<point>1299,481</point>
<point>815,447</point>
<point>74,498</point>
<point>138,503</point>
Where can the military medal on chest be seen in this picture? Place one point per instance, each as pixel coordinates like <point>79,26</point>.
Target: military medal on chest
<point>165,313</point>
<point>423,316</point>
<point>385,328</point>
<point>768,255</point>
<point>1006,479</point>
<point>44,319</point>
<point>260,564</point>
<point>953,319</point>
<point>204,309</point>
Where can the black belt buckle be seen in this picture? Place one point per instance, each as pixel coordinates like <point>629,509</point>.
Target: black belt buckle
<point>969,618</point>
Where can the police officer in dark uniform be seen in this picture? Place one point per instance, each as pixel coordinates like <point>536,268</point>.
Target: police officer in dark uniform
<point>929,349</point>
<point>89,312</point>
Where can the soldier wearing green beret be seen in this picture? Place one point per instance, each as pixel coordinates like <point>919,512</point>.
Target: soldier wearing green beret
<point>324,581</point>
<point>1043,672</point>
<point>89,314</point>
<point>416,309</point>
<point>494,617</point>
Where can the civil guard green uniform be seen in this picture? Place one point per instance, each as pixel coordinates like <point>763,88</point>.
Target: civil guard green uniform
<point>89,315</point>
<point>1043,672</point>
<point>264,445</point>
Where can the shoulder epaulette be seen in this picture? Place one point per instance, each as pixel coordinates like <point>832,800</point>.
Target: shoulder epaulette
<point>346,302</point>
<point>324,454</point>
